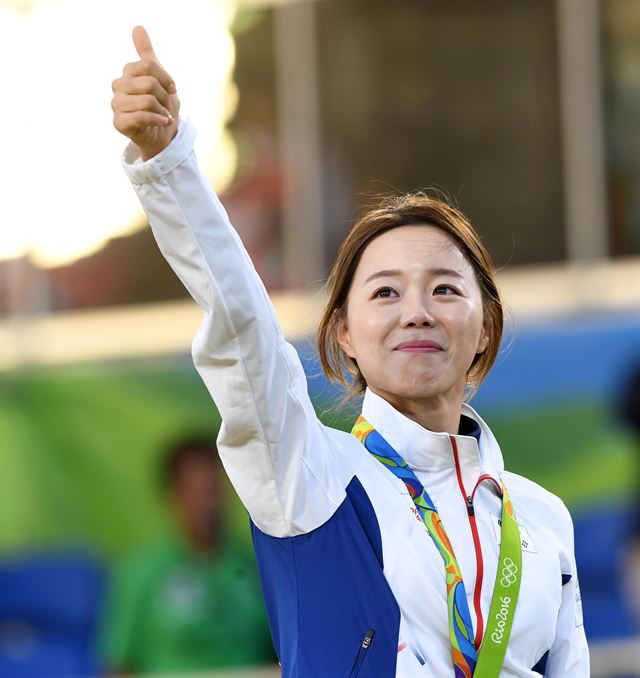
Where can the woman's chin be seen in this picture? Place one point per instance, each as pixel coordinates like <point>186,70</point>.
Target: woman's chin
<point>429,387</point>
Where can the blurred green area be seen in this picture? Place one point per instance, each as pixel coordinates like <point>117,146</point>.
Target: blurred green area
<point>574,450</point>
<point>81,448</point>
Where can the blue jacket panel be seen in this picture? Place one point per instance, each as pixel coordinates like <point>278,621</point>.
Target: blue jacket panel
<point>331,610</point>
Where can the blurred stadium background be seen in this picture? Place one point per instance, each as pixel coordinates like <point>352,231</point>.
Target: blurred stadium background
<point>524,113</point>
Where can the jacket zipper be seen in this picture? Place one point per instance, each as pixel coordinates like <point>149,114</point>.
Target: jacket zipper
<point>471,515</point>
<point>362,651</point>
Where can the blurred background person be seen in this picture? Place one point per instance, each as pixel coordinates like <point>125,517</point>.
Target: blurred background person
<point>629,413</point>
<point>188,601</point>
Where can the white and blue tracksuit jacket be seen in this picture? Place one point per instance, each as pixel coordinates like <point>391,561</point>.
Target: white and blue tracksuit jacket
<point>342,554</point>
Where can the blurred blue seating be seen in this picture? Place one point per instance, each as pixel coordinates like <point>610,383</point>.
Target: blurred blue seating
<point>601,537</point>
<point>49,608</point>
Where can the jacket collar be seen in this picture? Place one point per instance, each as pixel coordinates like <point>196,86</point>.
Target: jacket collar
<point>425,450</point>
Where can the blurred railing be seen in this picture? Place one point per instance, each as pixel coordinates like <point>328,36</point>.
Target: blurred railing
<point>168,328</point>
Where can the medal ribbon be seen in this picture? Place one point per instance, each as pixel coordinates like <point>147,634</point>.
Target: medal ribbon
<point>467,661</point>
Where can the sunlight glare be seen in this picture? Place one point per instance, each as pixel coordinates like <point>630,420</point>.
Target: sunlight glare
<point>65,192</point>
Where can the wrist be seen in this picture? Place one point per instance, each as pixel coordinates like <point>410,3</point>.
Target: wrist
<point>149,151</point>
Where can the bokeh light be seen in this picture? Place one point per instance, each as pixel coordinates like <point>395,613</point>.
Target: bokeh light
<point>65,193</point>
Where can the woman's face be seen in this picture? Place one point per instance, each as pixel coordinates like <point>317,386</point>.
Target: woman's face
<point>414,319</point>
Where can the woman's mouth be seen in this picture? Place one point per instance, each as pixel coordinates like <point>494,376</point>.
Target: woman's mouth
<point>422,346</point>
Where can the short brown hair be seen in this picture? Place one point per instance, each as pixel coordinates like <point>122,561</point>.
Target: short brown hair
<point>407,210</point>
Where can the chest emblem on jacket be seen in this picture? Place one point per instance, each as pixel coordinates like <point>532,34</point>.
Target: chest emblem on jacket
<point>527,542</point>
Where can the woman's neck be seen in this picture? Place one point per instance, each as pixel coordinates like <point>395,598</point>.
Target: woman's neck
<point>439,413</point>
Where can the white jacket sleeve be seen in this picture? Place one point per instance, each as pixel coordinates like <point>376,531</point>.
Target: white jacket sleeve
<point>284,464</point>
<point>569,655</point>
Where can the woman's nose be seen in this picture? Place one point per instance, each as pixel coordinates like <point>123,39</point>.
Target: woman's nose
<point>416,312</point>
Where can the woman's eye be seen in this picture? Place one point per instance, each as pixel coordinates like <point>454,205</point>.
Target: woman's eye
<point>384,293</point>
<point>444,289</point>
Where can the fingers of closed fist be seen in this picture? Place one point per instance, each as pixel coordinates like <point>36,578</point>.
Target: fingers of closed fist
<point>130,123</point>
<point>148,67</point>
<point>144,84</point>
<point>130,103</point>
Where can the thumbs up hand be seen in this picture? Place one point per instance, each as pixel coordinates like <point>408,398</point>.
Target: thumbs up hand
<point>145,103</point>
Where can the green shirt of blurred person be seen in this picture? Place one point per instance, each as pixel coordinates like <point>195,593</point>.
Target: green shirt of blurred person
<point>188,602</point>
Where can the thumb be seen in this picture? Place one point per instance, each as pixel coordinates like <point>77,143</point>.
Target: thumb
<point>142,43</point>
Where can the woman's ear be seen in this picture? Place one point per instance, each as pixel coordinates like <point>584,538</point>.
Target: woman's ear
<point>485,336</point>
<point>344,338</point>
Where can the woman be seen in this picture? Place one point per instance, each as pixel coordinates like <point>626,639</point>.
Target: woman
<point>394,551</point>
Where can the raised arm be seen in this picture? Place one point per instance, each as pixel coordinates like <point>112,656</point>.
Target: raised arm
<point>285,466</point>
